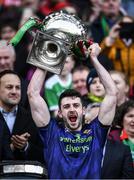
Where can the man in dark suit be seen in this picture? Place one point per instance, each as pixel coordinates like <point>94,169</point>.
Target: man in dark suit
<point>25,141</point>
<point>117,162</point>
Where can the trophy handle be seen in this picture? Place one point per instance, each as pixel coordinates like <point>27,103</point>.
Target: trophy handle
<point>31,22</point>
<point>79,48</point>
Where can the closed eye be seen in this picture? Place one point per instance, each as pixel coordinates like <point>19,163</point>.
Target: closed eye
<point>76,105</point>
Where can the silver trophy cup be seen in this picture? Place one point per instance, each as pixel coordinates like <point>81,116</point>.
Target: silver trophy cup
<point>53,43</point>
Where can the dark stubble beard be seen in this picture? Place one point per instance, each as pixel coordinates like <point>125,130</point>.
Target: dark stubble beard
<point>10,105</point>
<point>80,119</point>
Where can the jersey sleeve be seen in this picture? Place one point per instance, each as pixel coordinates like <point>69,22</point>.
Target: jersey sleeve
<point>99,131</point>
<point>47,133</point>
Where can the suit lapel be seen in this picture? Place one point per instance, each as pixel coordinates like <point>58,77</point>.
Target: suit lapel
<point>3,120</point>
<point>19,122</point>
<point>107,156</point>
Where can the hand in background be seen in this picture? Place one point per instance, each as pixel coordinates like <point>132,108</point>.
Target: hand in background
<point>19,141</point>
<point>113,34</point>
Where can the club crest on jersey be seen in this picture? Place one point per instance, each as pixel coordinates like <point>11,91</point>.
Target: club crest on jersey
<point>87,131</point>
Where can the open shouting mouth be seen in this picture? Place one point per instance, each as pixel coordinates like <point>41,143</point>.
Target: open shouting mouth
<point>73,118</point>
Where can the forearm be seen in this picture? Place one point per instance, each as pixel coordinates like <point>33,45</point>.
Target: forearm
<point>39,109</point>
<point>105,77</point>
<point>37,81</point>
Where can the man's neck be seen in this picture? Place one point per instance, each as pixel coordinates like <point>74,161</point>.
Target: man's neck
<point>64,77</point>
<point>7,108</point>
<point>122,100</point>
<point>73,130</point>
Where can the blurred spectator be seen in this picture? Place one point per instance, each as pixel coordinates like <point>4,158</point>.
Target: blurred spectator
<point>11,2</point>
<point>7,62</point>
<point>87,10</point>
<point>96,8</point>
<point>10,19</point>
<point>122,85</point>
<point>96,91</point>
<point>119,48</point>
<point>128,6</point>
<point>109,15</point>
<point>84,9</point>
<point>56,84</point>
<point>29,9</point>
<point>32,4</point>
<point>50,6</point>
<point>8,29</point>
<point>7,56</point>
<point>124,118</point>
<point>25,141</point>
<point>79,77</point>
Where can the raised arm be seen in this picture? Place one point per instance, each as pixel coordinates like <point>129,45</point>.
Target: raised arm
<point>39,109</point>
<point>108,105</point>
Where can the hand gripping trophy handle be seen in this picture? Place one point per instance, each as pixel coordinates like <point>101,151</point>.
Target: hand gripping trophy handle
<point>80,47</point>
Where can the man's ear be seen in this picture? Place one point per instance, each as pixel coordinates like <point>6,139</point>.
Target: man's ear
<point>127,89</point>
<point>84,110</point>
<point>59,113</point>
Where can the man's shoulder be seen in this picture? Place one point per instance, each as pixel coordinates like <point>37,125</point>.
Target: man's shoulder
<point>52,126</point>
<point>24,112</point>
<point>93,124</point>
<point>97,22</point>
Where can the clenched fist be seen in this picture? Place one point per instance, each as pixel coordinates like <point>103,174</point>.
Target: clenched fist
<point>94,50</point>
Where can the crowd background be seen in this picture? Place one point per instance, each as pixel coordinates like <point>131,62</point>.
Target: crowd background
<point>109,23</point>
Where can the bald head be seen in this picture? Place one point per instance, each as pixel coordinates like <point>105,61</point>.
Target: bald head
<point>7,56</point>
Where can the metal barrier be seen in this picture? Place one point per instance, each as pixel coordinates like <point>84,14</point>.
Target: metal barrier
<point>22,170</point>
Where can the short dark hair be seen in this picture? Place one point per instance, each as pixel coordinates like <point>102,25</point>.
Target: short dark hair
<point>122,74</point>
<point>80,68</point>
<point>69,93</point>
<point>3,73</point>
